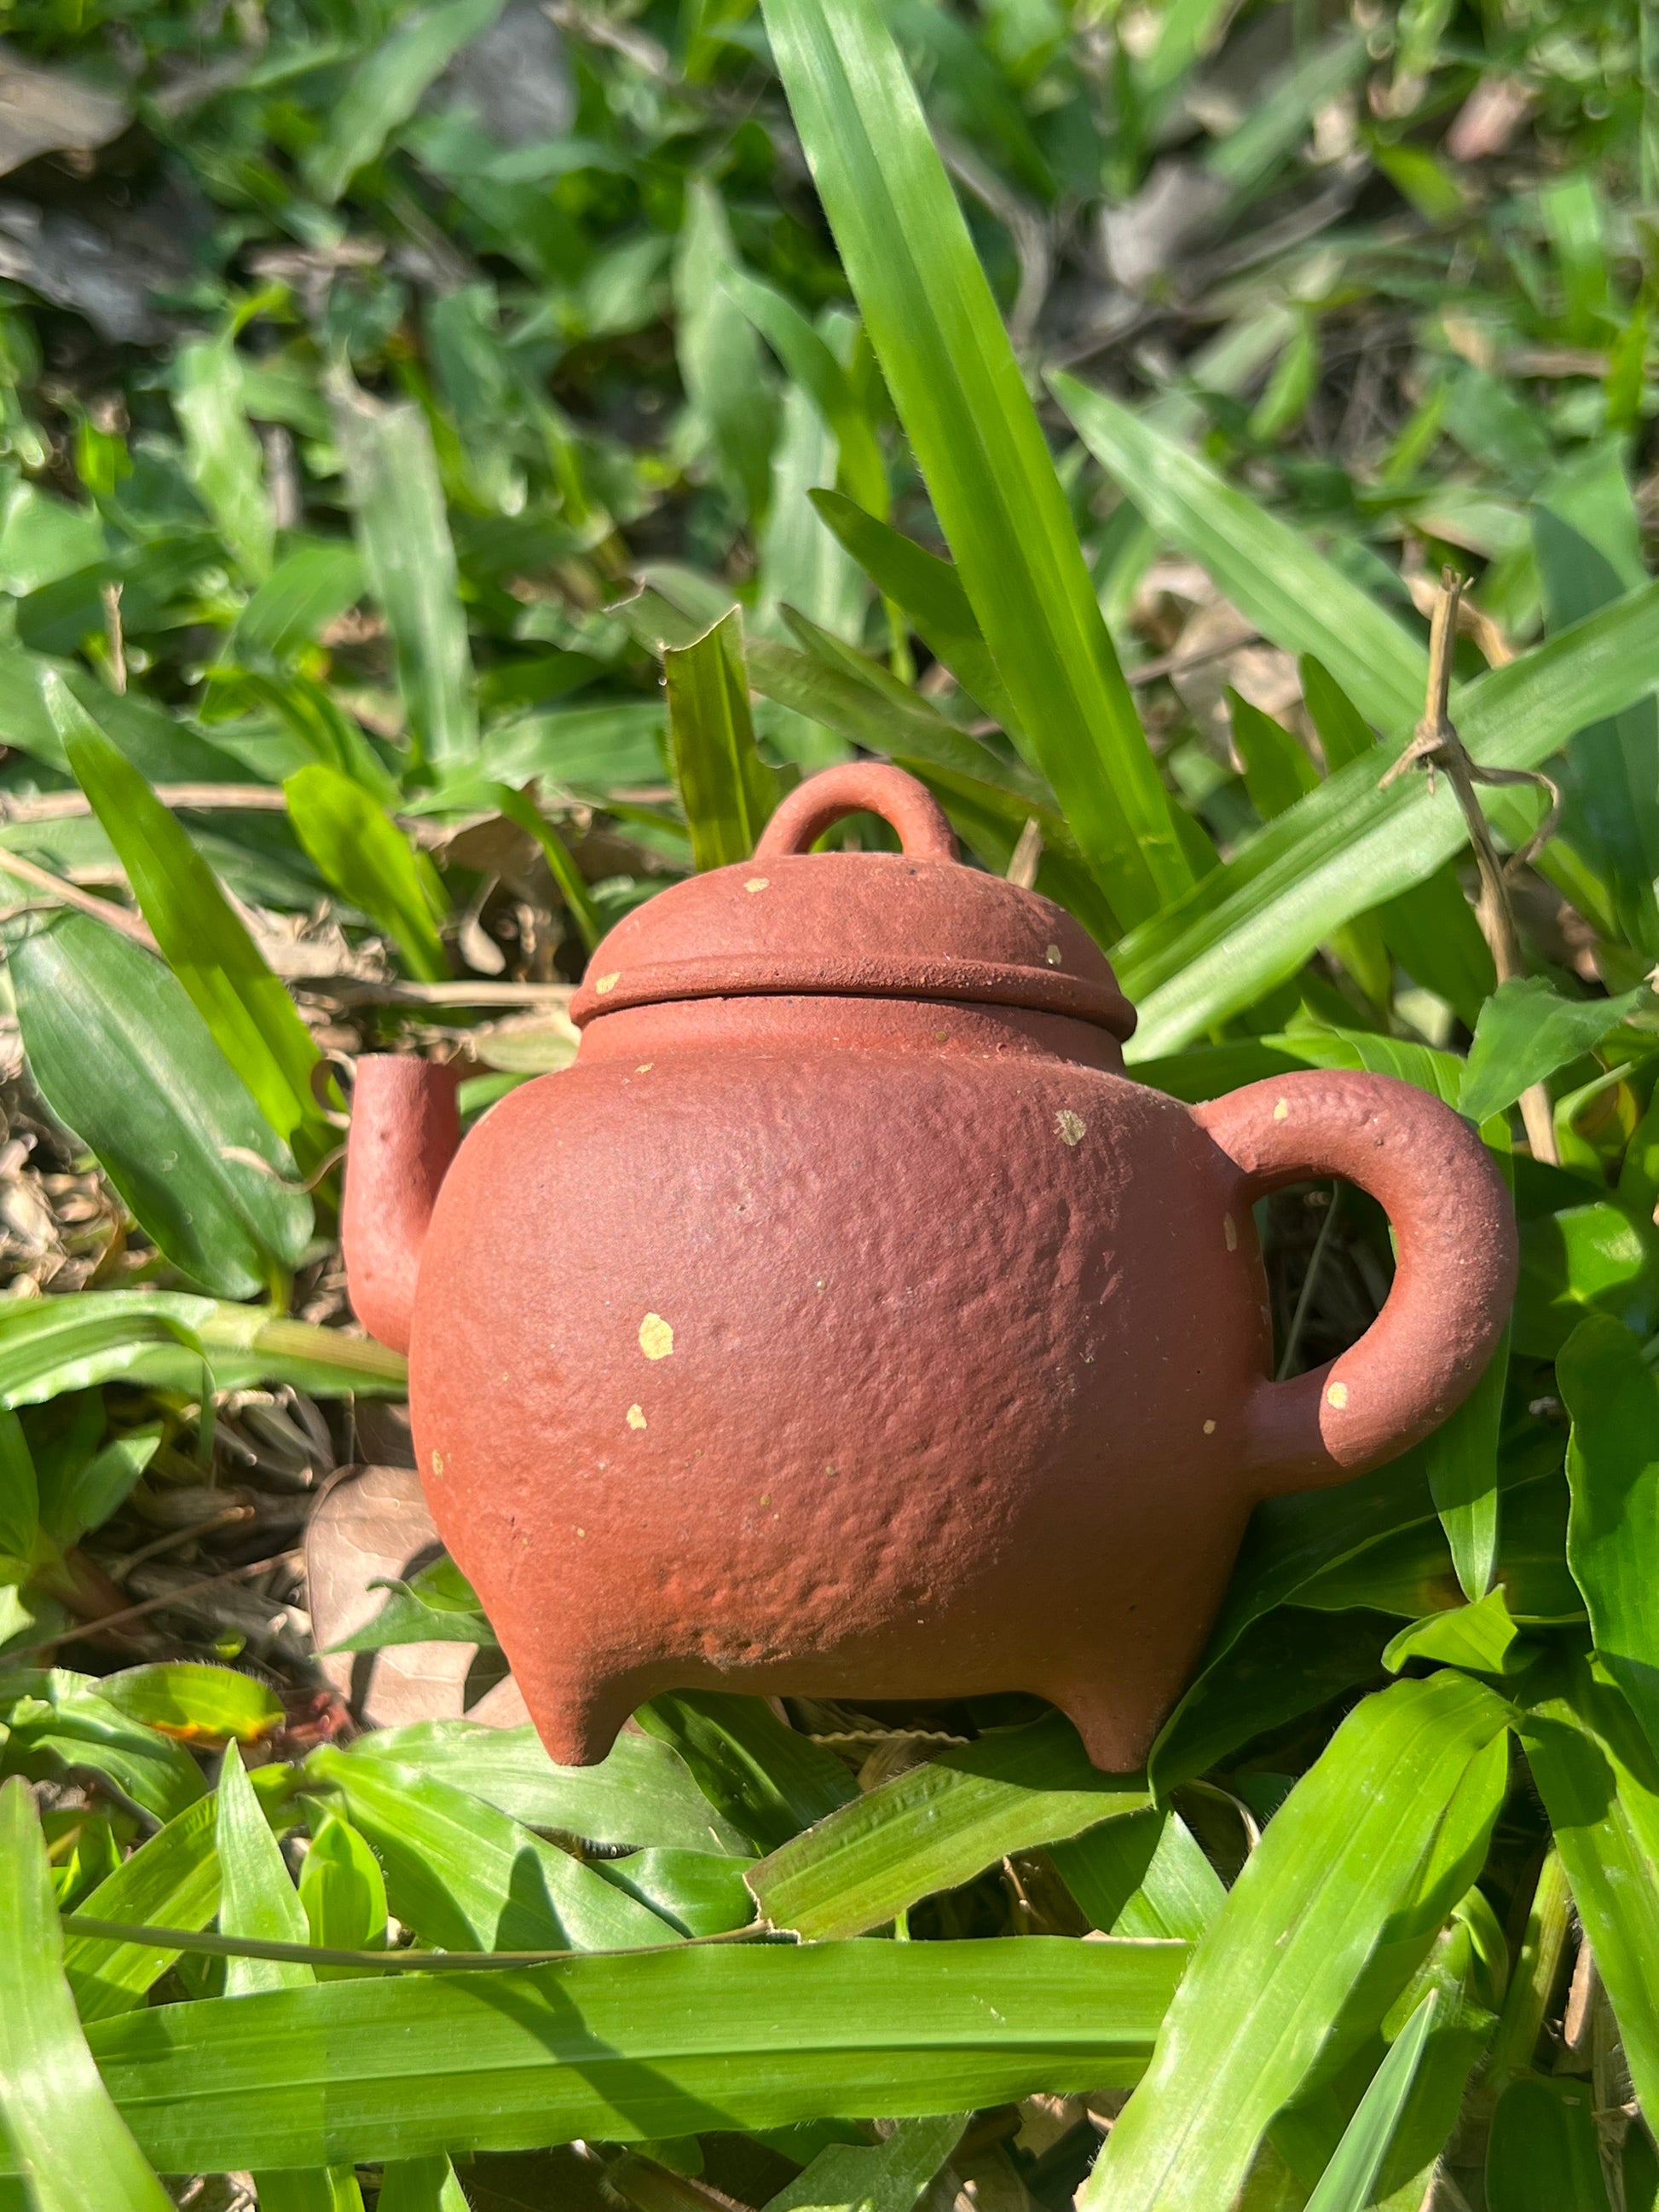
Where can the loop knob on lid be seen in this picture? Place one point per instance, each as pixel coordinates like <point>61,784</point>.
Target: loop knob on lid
<point>916,924</point>
<point>860,787</point>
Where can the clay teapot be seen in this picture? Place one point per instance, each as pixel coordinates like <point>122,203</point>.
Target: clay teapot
<point>845,1322</point>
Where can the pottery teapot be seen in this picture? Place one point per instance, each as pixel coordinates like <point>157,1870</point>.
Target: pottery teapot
<point>845,1322</point>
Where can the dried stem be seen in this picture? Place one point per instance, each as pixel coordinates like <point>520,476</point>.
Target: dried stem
<point>1435,745</point>
<point>1027,854</point>
<point>142,1611</point>
<point>61,894</point>
<point>113,631</point>
<point>1293,1334</point>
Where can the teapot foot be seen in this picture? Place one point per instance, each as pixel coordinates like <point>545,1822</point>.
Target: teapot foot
<point>577,1722</point>
<point>1117,1741</point>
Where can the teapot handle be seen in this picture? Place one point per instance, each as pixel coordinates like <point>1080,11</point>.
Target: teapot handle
<point>1454,1277</point>
<point>855,787</point>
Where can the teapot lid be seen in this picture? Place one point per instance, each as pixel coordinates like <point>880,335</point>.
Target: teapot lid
<point>916,924</point>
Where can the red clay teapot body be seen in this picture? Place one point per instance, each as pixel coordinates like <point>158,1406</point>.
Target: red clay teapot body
<point>844,1323</point>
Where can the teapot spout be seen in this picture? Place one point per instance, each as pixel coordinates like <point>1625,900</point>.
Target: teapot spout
<point>405,1127</point>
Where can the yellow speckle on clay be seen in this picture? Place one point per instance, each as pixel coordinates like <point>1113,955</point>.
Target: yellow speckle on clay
<point>1072,1126</point>
<point>1209,1428</point>
<point>1282,1111</point>
<point>766,1498</point>
<point>604,983</point>
<point>1051,954</point>
<point>656,1337</point>
<point>1337,1395</point>
<point>1229,1232</point>
<point>645,1067</point>
<point>437,1464</point>
<point>635,1417</point>
<point>757,883</point>
<point>581,1532</point>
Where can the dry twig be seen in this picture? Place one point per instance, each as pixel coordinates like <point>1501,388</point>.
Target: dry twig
<point>1436,746</point>
<point>63,894</point>
<point>142,1610</point>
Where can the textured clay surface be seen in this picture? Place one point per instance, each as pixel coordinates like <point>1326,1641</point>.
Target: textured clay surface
<point>854,1339</point>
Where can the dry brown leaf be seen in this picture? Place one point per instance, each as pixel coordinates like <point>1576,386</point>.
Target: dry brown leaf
<point>374,1526</point>
<point>46,111</point>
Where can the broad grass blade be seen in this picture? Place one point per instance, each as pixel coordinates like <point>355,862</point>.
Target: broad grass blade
<point>718,358</point>
<point>931,595</point>
<point>743,2036</point>
<point>257,1897</point>
<point>958,389</point>
<point>1587,539</point>
<point>726,788</point>
<point>937,1826</point>
<point>56,2115</point>
<point>365,857</point>
<point>1350,845</point>
<point>813,368</point>
<point>403,532</point>
<point>204,942</point>
<point>161,1338</point>
<point>258,1900</point>
<point>641,1795</point>
<point>124,1059</point>
<point>1346,2183</point>
<point>520,807</point>
<point>421,2184</point>
<point>1143,1877</point>
<point>767,1781</point>
<point>310,585</point>
<point>1527,1031</point>
<point>801,564</point>
<point>1612,1534</point>
<point>467,1877</point>
<point>221,453</point>
<point>314,2189</point>
<point>384,87</point>
<point>196,1703</point>
<point>887,2177</point>
<point>1274,1970</point>
<point>1595,1774</point>
<point>20,1492</point>
<point>1543,2154</point>
<point>1267,569</point>
<point>696,1892</point>
<point>172,1881</point>
<point>65,1724</point>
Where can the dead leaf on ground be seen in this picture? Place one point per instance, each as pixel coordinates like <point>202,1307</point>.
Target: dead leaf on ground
<point>107,278</point>
<point>48,112</point>
<point>374,1526</point>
